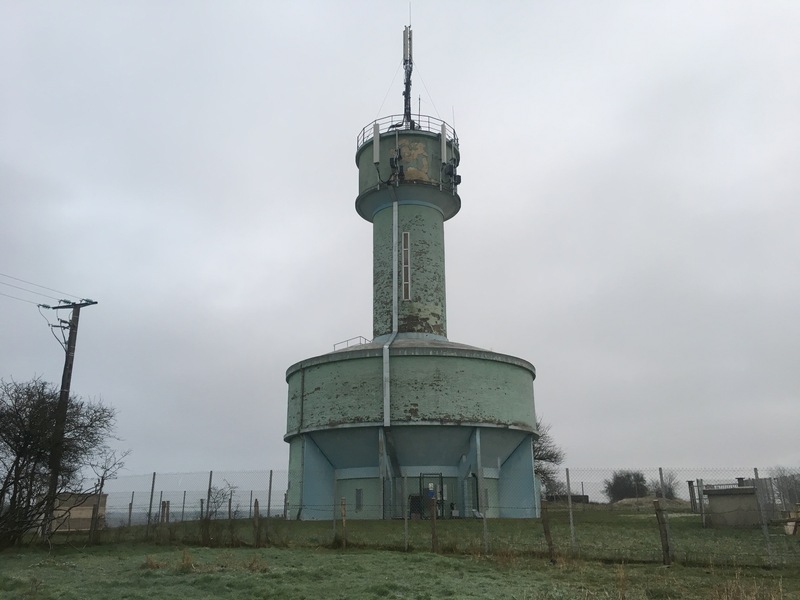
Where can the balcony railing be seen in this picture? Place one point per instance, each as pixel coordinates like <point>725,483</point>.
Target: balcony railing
<point>392,122</point>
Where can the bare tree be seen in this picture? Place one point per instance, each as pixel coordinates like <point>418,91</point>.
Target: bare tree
<point>786,483</point>
<point>547,456</point>
<point>106,465</point>
<point>670,486</point>
<point>27,415</point>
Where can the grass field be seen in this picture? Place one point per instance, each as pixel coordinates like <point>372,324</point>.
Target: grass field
<point>617,555</point>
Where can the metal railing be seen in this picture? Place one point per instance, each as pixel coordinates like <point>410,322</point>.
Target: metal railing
<point>421,123</point>
<point>354,341</point>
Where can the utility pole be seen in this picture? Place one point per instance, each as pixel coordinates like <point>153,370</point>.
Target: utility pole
<point>59,426</point>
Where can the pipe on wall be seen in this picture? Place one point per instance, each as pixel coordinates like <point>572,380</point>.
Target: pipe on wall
<point>387,394</point>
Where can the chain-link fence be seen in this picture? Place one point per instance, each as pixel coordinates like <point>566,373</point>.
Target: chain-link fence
<point>691,516</point>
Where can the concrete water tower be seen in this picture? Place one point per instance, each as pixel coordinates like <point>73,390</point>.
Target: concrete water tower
<point>388,423</point>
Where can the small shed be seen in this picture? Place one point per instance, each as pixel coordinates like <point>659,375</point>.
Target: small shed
<point>730,506</point>
<point>73,512</point>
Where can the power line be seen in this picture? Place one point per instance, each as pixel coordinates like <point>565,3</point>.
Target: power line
<point>38,286</point>
<point>20,299</point>
<point>29,291</point>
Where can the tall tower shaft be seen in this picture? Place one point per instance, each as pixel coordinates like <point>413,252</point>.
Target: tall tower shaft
<point>407,189</point>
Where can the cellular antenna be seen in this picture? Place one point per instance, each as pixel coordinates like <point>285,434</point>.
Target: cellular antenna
<point>408,65</point>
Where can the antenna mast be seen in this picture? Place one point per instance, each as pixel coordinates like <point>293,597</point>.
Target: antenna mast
<point>408,65</point>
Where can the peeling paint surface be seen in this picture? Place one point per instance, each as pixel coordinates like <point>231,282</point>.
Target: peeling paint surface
<point>468,389</point>
<point>426,311</point>
<point>415,160</point>
<point>421,157</point>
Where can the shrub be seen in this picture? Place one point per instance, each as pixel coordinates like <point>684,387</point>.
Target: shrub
<point>625,484</point>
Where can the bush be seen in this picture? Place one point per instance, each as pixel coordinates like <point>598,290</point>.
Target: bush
<point>625,484</point>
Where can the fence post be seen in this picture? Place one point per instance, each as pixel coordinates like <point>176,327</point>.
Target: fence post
<point>551,548</point>
<point>663,529</point>
<point>250,506</point>
<point>168,510</point>
<point>405,514</point>
<point>700,503</point>
<point>344,523</point>
<point>150,509</point>
<point>130,510</point>
<point>269,507</point>
<point>333,507</point>
<point>183,505</point>
<point>485,524</point>
<point>161,505</point>
<point>762,515</point>
<point>692,498</point>
<point>256,524</point>
<point>571,519</point>
<point>434,537</point>
<point>208,496</point>
<point>661,481</point>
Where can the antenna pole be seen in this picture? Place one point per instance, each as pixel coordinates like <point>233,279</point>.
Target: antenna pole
<point>408,65</point>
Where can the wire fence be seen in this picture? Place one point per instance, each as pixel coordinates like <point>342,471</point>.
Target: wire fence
<point>740,517</point>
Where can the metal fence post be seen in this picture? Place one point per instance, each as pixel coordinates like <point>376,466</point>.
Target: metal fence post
<point>569,507</point>
<point>762,515</point>
<point>150,509</point>
<point>700,502</point>
<point>405,515</point>
<point>485,524</point>
<point>269,507</point>
<point>344,523</point>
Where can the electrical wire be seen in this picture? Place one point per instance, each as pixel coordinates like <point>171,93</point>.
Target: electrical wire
<point>29,291</point>
<point>17,298</point>
<point>61,342</point>
<point>38,286</point>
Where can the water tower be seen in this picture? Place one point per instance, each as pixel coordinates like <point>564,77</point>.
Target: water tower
<point>390,423</point>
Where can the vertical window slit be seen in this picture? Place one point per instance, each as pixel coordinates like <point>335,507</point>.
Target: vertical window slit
<point>406,266</point>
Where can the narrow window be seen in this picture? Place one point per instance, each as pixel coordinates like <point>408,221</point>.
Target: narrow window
<point>406,266</point>
<point>359,499</point>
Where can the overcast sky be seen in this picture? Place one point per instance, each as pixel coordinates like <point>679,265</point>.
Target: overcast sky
<point>629,222</point>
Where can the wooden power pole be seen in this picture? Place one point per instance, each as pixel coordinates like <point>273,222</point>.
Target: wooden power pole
<point>60,422</point>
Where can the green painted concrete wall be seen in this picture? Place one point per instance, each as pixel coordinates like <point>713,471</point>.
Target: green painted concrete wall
<point>336,393</point>
<point>461,390</point>
<point>425,311</point>
<point>421,157</point>
<point>475,387</point>
<point>372,507</point>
